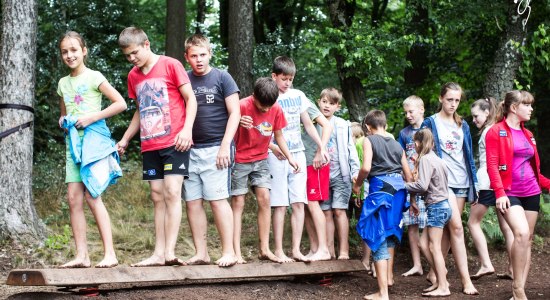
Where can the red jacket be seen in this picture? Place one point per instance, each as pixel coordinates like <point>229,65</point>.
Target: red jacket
<point>500,154</point>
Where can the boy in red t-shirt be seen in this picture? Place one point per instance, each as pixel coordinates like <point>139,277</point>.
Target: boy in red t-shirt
<point>166,109</point>
<point>261,118</point>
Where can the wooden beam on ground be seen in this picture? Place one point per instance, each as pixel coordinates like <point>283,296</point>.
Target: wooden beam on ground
<point>97,276</point>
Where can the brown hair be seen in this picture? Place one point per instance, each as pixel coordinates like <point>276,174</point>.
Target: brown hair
<point>375,118</point>
<point>425,139</point>
<point>357,130</point>
<point>73,35</point>
<point>444,89</point>
<point>198,40</point>
<point>487,104</point>
<point>332,95</point>
<point>514,97</point>
<point>283,65</point>
<point>266,91</point>
<point>132,36</point>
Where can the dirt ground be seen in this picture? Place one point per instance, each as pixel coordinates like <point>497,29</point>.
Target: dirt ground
<point>346,286</point>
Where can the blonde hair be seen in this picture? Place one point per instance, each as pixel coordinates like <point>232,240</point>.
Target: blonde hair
<point>444,89</point>
<point>413,100</point>
<point>357,130</point>
<point>514,97</point>
<point>132,36</point>
<point>198,40</point>
<point>425,140</point>
<point>332,95</point>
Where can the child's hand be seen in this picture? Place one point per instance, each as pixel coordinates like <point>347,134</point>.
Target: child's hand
<point>246,122</point>
<point>61,121</point>
<point>413,209</point>
<point>85,121</point>
<point>223,160</point>
<point>277,152</point>
<point>357,200</point>
<point>294,165</point>
<point>321,158</point>
<point>356,189</point>
<point>121,147</point>
<point>183,140</point>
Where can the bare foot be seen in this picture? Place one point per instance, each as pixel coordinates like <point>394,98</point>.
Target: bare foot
<point>77,263</point>
<point>268,255</point>
<point>343,257</point>
<point>375,296</point>
<point>438,293</point>
<point>414,271</point>
<point>518,294</point>
<point>107,262</point>
<point>152,261</point>
<point>431,278</point>
<point>240,260</point>
<point>227,260</point>
<point>310,254</point>
<point>198,260</point>
<point>300,257</point>
<point>471,290</point>
<point>320,255</point>
<point>283,258</point>
<point>482,272</point>
<point>433,287</point>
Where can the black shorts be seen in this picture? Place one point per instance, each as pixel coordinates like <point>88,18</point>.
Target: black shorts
<point>487,198</point>
<point>167,161</point>
<point>531,203</point>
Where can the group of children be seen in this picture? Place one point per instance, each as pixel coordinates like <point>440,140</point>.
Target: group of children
<point>201,143</point>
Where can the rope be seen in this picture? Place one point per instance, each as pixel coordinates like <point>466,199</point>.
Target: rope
<point>19,127</point>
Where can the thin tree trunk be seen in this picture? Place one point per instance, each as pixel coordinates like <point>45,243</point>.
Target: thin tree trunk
<point>341,14</point>
<point>224,22</point>
<point>201,15</point>
<point>416,74</point>
<point>175,29</point>
<point>241,44</point>
<point>500,78</point>
<point>18,218</point>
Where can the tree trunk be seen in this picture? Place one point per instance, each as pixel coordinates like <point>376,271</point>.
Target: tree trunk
<point>341,15</point>
<point>416,74</point>
<point>18,218</point>
<point>201,15</point>
<point>175,29</point>
<point>224,20</point>
<point>500,78</point>
<point>241,44</point>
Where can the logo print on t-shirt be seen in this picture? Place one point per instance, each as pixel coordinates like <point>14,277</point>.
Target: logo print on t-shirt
<point>209,98</point>
<point>265,128</point>
<point>154,109</point>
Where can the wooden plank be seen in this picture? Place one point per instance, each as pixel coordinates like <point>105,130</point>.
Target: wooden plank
<point>97,276</point>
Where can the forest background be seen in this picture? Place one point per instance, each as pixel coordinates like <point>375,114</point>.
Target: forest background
<point>376,52</point>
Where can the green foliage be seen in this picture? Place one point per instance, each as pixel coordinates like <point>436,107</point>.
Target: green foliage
<point>59,241</point>
<point>535,51</point>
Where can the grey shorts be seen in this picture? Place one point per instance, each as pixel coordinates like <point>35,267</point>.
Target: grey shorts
<point>339,194</point>
<point>257,172</point>
<point>206,181</point>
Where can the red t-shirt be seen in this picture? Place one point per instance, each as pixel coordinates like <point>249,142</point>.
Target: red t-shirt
<point>161,105</point>
<point>252,144</point>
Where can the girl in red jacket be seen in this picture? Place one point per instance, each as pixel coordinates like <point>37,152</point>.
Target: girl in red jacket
<point>513,167</point>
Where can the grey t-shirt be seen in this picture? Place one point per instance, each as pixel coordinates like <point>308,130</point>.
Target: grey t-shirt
<point>309,144</point>
<point>451,140</point>
<point>386,155</point>
<point>211,91</point>
<point>432,179</point>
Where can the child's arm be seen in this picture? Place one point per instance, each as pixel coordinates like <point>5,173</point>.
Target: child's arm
<point>133,128</point>
<point>63,111</point>
<point>117,106</point>
<point>353,156</point>
<point>279,137</point>
<point>184,139</point>
<point>365,168</point>
<point>406,170</point>
<point>223,160</point>
<point>321,156</point>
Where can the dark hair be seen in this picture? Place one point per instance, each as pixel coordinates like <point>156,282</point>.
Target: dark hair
<point>375,118</point>
<point>514,97</point>
<point>132,36</point>
<point>487,104</point>
<point>74,35</point>
<point>444,89</point>
<point>266,91</point>
<point>283,65</point>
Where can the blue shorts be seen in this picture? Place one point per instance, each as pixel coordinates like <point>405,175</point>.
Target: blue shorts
<point>382,253</point>
<point>460,192</point>
<point>439,214</point>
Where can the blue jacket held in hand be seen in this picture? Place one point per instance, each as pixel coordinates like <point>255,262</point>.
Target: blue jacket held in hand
<point>96,153</point>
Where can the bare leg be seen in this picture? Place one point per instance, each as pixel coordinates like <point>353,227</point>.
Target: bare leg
<point>414,238</point>
<point>508,239</point>
<point>199,225</point>
<point>474,224</point>
<point>389,275</point>
<point>159,209</point>
<point>458,245</point>
<point>319,226</point>
<point>329,220</point>
<point>264,224</point>
<point>237,206</point>
<point>297,223</point>
<point>104,225</point>
<point>437,262</point>
<point>278,228</point>
<point>342,224</point>
<point>382,279</point>
<point>311,233</point>
<point>223,216</point>
<point>172,220</point>
<point>75,195</point>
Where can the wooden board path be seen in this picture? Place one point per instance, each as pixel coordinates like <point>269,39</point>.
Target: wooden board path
<point>97,276</point>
